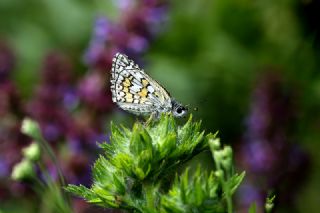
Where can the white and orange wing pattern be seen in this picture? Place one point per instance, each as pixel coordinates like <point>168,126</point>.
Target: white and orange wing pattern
<point>134,91</point>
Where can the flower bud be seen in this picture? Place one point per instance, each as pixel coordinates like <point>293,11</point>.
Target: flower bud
<point>30,128</point>
<point>32,152</point>
<point>269,203</point>
<point>219,173</point>
<point>214,143</point>
<point>23,170</point>
<point>268,206</point>
<point>226,154</point>
<point>218,156</point>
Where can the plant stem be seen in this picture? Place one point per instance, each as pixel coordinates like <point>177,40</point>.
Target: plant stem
<point>46,147</point>
<point>229,200</point>
<point>223,179</point>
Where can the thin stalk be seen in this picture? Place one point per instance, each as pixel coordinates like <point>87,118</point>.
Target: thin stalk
<point>228,197</point>
<point>150,196</point>
<point>225,187</point>
<point>47,148</point>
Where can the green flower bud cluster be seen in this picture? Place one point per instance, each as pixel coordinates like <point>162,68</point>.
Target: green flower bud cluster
<point>223,158</point>
<point>31,154</point>
<point>135,173</point>
<point>269,203</point>
<point>25,168</point>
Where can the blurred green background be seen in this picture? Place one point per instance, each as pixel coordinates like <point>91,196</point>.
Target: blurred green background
<point>217,56</point>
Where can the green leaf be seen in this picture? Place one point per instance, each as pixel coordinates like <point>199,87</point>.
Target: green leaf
<point>167,145</point>
<point>121,189</point>
<point>234,182</point>
<point>185,132</point>
<point>144,161</point>
<point>139,173</point>
<point>102,169</point>
<point>166,125</point>
<point>253,208</point>
<point>135,172</point>
<point>123,162</point>
<point>82,191</point>
<point>140,140</point>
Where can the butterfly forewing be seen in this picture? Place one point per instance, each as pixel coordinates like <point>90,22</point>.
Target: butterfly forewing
<point>133,90</point>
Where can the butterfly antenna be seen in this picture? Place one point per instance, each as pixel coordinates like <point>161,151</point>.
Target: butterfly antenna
<point>200,102</point>
<point>188,106</point>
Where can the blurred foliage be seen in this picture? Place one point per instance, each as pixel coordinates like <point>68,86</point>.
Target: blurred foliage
<point>218,48</point>
<point>36,27</point>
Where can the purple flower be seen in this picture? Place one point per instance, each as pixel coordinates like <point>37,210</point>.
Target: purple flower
<point>138,44</point>
<point>56,70</point>
<point>52,131</point>
<point>139,23</point>
<point>101,35</point>
<point>54,98</point>
<point>124,4</point>
<point>101,29</point>
<point>4,168</point>
<point>7,60</point>
<point>70,98</point>
<point>156,18</point>
<point>249,194</point>
<point>92,90</point>
<point>267,152</point>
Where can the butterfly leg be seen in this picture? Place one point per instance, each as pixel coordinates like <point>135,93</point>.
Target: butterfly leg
<point>153,116</point>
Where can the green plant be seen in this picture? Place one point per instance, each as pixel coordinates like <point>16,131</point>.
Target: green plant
<point>138,171</point>
<point>52,198</point>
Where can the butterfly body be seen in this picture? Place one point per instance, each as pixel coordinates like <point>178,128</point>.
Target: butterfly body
<point>136,92</point>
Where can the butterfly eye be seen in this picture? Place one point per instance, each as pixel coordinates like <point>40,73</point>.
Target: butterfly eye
<point>179,110</point>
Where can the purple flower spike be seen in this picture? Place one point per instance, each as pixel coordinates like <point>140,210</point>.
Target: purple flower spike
<point>138,43</point>
<point>6,61</point>
<point>124,4</point>
<point>101,29</point>
<point>70,97</point>
<point>140,21</point>
<point>4,168</point>
<point>267,152</point>
<point>101,35</point>
<point>92,91</point>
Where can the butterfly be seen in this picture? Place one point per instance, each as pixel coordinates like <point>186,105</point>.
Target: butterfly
<point>136,92</point>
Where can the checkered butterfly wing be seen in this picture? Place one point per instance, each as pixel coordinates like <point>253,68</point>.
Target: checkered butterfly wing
<point>133,90</point>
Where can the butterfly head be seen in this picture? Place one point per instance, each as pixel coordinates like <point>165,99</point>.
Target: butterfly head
<point>178,110</point>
